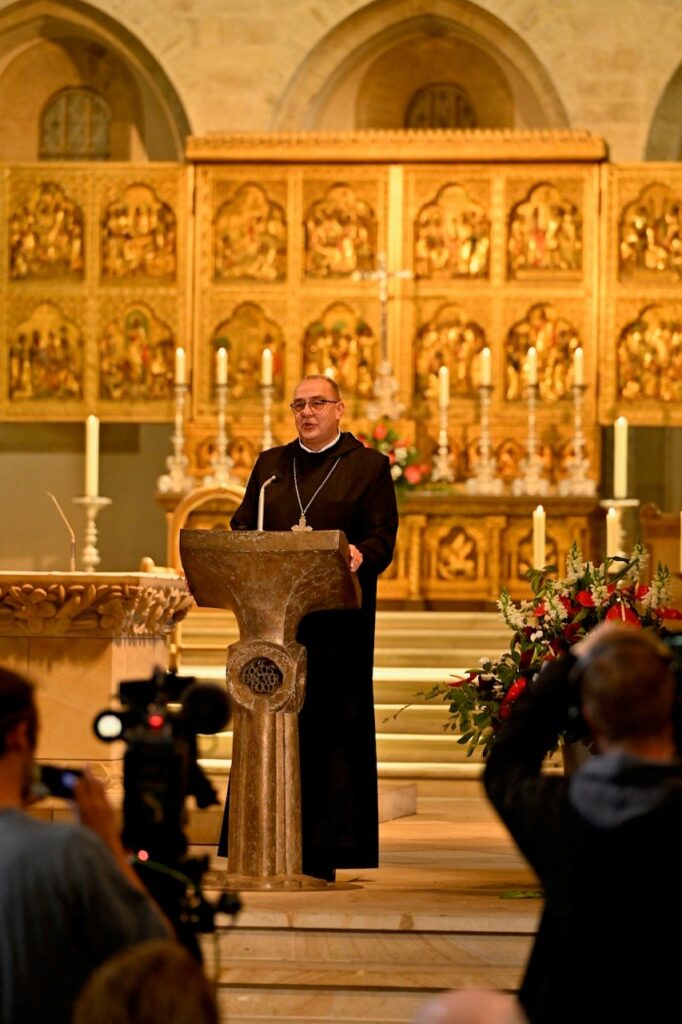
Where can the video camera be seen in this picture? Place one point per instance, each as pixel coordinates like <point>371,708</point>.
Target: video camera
<point>159,721</point>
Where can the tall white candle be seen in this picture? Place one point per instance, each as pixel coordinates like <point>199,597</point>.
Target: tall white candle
<point>443,387</point>
<point>180,374</point>
<point>539,522</point>
<point>266,368</point>
<point>612,533</point>
<point>620,458</point>
<point>91,457</point>
<point>221,365</point>
<point>486,368</point>
<point>532,367</point>
<point>578,368</point>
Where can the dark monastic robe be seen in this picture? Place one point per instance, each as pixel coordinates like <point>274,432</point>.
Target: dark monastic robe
<point>336,724</point>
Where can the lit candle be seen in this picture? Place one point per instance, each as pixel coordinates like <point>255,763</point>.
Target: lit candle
<point>539,520</point>
<point>443,387</point>
<point>532,367</point>
<point>612,533</point>
<point>179,366</point>
<point>620,458</point>
<point>486,368</point>
<point>91,457</point>
<point>221,366</point>
<point>329,372</point>
<point>266,368</point>
<point>578,368</point>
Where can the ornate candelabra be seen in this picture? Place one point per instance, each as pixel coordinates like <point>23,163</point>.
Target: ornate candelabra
<point>577,483</point>
<point>93,506</point>
<point>532,480</point>
<point>485,480</point>
<point>267,390</point>
<point>221,462</point>
<point>442,460</point>
<point>177,480</point>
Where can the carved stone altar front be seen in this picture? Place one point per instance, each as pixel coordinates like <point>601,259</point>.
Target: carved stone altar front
<point>458,550</point>
<point>78,635</point>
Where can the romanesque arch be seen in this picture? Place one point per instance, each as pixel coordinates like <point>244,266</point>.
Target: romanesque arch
<point>345,81</point>
<point>665,134</point>
<point>48,45</point>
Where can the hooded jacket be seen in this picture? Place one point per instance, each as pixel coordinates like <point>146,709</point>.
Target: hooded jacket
<point>606,844</point>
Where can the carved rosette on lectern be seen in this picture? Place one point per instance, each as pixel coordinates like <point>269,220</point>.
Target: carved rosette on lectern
<point>270,581</point>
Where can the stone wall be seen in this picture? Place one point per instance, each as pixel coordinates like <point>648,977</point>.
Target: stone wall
<point>262,64</point>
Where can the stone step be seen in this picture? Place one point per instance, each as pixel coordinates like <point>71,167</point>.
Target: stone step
<point>332,959</point>
<point>404,747</point>
<point>393,656</point>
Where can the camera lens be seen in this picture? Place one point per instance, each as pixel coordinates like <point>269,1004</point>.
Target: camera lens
<point>108,726</point>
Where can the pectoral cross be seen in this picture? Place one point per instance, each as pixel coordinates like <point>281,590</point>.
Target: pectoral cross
<point>301,526</point>
<point>385,385</point>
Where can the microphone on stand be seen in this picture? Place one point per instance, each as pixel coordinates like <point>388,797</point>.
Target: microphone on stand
<point>72,560</point>
<point>261,499</point>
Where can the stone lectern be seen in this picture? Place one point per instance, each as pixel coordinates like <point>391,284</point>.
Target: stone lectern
<point>270,580</point>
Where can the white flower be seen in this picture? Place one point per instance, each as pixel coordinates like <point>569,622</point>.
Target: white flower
<point>660,594</point>
<point>575,566</point>
<point>400,454</point>
<point>396,471</point>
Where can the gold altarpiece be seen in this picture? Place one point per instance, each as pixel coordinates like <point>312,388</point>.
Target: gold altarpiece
<point>511,239</point>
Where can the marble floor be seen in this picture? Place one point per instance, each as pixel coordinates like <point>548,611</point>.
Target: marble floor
<point>452,905</point>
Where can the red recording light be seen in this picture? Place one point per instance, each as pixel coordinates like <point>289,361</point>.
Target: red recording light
<point>155,721</point>
<point>142,855</point>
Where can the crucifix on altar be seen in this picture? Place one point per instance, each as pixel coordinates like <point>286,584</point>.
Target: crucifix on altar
<point>385,387</point>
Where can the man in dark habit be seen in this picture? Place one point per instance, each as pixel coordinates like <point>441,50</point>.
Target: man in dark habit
<point>327,480</point>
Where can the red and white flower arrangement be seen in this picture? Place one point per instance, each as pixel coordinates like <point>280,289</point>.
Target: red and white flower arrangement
<point>407,468</point>
<point>561,612</point>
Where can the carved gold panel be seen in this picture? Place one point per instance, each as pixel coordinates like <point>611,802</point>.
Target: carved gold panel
<point>245,323</point>
<point>641,327</point>
<point>46,235</point>
<point>344,221</point>
<point>93,288</point>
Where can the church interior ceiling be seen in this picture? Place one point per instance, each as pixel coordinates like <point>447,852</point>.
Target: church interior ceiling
<point>108,268</point>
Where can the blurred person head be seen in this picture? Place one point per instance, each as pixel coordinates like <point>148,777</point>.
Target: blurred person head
<point>156,982</point>
<point>627,686</point>
<point>18,736</point>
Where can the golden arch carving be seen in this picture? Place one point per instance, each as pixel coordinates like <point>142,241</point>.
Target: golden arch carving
<point>451,236</point>
<point>250,237</point>
<point>46,356</point>
<point>555,341</point>
<point>245,334</point>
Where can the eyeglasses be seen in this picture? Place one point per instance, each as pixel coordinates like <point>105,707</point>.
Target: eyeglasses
<point>314,404</point>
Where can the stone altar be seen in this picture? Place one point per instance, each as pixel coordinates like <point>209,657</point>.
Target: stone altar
<point>77,635</point>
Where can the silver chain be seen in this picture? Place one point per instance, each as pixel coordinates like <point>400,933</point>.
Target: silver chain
<point>298,496</point>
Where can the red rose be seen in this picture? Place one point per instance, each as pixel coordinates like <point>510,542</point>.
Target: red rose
<point>413,474</point>
<point>584,597</point>
<point>641,591</point>
<point>470,677</point>
<point>621,613</point>
<point>668,613</point>
<point>380,431</point>
<point>514,691</point>
<point>570,630</point>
